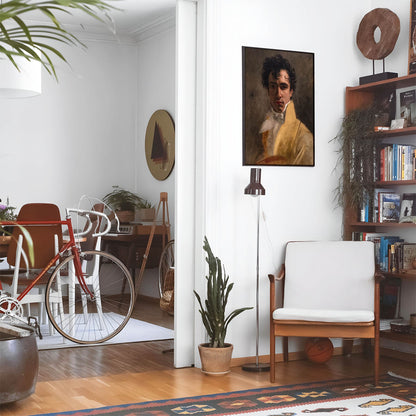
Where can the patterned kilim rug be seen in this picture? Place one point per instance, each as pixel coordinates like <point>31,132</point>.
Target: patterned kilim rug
<point>358,397</point>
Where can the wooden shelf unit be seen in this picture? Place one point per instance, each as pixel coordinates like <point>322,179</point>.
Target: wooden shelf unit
<point>396,336</point>
<point>361,97</point>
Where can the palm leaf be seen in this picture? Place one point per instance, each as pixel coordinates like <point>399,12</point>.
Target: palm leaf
<point>28,40</point>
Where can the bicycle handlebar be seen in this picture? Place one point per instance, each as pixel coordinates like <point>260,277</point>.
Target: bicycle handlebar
<point>88,214</point>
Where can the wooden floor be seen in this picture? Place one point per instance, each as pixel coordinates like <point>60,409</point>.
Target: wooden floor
<point>88,377</point>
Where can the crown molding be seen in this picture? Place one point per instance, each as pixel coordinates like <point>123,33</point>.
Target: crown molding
<point>154,28</point>
<point>108,33</point>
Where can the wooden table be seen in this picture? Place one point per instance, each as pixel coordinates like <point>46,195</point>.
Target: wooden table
<point>131,248</point>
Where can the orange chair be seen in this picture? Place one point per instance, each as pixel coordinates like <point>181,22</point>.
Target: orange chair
<point>330,290</point>
<point>46,241</point>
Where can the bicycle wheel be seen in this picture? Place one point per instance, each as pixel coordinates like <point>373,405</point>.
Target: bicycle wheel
<point>166,262</point>
<point>84,319</point>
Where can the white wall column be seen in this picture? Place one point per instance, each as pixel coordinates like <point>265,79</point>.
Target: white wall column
<point>186,13</point>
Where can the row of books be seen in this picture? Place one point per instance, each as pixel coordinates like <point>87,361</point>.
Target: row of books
<point>392,253</point>
<point>397,162</point>
<point>389,206</point>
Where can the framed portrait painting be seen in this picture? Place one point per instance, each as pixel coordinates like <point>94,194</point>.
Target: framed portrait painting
<point>412,38</point>
<point>278,107</point>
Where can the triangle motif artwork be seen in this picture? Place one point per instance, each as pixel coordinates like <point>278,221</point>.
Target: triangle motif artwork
<point>158,154</point>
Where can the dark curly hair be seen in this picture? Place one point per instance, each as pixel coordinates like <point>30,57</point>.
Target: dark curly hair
<point>274,64</point>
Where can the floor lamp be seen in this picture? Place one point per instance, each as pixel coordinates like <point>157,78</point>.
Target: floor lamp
<point>256,189</point>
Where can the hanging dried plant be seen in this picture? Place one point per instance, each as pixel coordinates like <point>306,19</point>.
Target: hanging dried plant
<point>358,156</point>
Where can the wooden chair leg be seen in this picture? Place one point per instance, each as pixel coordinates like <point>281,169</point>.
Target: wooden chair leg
<point>285,349</point>
<point>272,355</point>
<point>347,344</point>
<point>376,359</point>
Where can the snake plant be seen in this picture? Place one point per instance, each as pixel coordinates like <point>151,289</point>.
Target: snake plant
<point>218,289</point>
<point>33,41</point>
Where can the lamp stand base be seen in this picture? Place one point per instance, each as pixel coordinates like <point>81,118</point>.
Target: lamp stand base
<point>254,367</point>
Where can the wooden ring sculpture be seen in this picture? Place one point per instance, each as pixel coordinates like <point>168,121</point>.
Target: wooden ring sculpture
<point>389,25</point>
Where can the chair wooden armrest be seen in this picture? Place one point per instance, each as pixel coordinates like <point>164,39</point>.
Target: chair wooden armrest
<point>378,275</point>
<point>279,276</point>
<point>273,278</point>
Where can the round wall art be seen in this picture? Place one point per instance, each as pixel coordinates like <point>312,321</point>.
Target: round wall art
<point>160,144</point>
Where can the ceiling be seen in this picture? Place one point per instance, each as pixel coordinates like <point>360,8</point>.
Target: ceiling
<point>130,17</point>
<point>138,14</point>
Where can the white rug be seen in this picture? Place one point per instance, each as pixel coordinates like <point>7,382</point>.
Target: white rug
<point>134,331</point>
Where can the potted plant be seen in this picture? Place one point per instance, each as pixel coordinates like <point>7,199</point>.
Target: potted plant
<point>6,214</point>
<point>123,202</point>
<point>145,211</point>
<point>216,354</point>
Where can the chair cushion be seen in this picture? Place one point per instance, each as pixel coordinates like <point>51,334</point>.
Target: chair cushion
<point>329,274</point>
<point>323,315</point>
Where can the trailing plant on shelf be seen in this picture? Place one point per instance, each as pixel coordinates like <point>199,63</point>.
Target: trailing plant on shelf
<point>357,155</point>
<point>36,42</point>
<point>213,310</point>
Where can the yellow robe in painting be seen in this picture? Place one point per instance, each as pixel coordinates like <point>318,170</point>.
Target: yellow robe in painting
<point>291,145</point>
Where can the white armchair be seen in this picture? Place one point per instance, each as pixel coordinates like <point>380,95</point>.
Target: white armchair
<point>330,289</point>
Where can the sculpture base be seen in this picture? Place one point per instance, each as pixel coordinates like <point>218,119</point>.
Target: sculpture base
<point>253,367</point>
<point>377,77</point>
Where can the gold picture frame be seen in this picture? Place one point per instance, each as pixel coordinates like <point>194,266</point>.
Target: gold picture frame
<point>160,144</point>
<point>412,38</point>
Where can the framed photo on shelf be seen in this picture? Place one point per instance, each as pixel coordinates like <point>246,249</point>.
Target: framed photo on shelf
<point>412,38</point>
<point>408,208</point>
<point>406,105</point>
<point>278,107</point>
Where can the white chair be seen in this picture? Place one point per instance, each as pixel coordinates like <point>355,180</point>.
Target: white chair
<point>330,289</point>
<point>90,239</point>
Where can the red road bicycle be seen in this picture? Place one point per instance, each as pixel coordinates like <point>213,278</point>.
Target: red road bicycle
<point>89,295</point>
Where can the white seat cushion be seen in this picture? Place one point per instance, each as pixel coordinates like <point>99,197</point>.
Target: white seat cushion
<point>329,274</point>
<point>323,315</point>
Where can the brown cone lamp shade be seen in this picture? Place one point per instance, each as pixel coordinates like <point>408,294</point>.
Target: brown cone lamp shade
<point>255,187</point>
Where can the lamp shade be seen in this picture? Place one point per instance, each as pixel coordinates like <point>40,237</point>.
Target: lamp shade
<point>25,82</point>
<point>255,187</point>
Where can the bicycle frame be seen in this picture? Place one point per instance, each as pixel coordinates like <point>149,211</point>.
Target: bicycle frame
<point>70,245</point>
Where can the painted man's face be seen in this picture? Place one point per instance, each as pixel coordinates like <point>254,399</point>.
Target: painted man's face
<point>279,90</point>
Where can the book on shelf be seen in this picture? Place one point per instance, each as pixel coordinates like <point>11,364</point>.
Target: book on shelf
<point>408,107</point>
<point>389,207</point>
<point>401,255</point>
<point>388,259</point>
<point>408,208</point>
<point>385,258</point>
<point>408,256</point>
<point>397,162</point>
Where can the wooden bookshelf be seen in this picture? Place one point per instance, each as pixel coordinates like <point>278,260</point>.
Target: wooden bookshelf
<point>396,336</point>
<point>361,97</point>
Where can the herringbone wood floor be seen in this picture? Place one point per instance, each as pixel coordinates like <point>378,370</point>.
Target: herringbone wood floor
<point>79,378</point>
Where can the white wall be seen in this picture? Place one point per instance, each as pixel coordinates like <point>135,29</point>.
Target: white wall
<point>156,91</point>
<point>78,136</point>
<point>299,200</point>
<point>93,121</point>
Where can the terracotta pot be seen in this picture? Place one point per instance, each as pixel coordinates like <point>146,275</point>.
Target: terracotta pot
<point>215,361</point>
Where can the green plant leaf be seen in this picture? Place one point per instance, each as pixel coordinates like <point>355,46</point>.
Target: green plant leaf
<point>213,309</point>
<point>23,38</point>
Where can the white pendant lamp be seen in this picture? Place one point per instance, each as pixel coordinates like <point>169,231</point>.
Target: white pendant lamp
<point>22,83</point>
